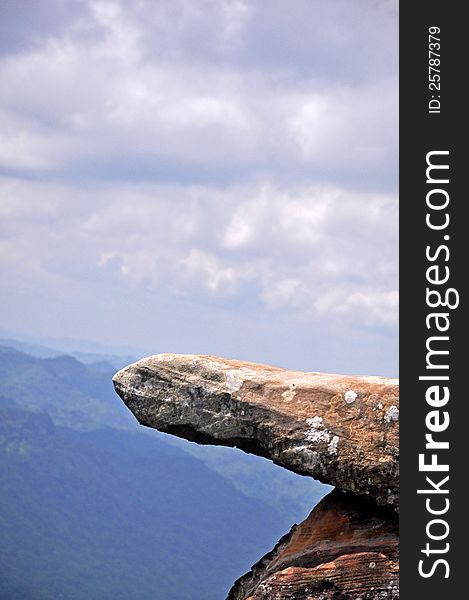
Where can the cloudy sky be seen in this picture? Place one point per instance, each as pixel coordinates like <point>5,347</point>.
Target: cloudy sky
<point>214,176</point>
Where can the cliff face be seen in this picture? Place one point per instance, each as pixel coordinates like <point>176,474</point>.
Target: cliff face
<point>346,549</point>
<point>340,430</point>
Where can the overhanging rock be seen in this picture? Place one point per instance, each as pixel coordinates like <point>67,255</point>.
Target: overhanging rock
<point>338,429</point>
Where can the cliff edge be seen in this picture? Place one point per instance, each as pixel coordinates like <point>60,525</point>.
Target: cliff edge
<point>341,430</point>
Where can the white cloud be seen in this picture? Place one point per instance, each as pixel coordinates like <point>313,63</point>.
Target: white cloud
<point>209,270</point>
<point>118,104</point>
<point>367,305</point>
<point>215,151</point>
<point>312,249</point>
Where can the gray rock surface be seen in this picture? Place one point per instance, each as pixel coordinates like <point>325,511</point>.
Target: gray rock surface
<point>338,429</point>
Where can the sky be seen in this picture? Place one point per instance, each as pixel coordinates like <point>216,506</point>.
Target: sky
<point>211,176</point>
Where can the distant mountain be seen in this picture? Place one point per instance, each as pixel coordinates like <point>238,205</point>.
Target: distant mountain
<point>92,505</point>
<point>114,514</point>
<point>102,362</point>
<point>292,495</point>
<point>82,397</point>
<point>66,345</point>
<point>30,348</point>
<point>74,394</point>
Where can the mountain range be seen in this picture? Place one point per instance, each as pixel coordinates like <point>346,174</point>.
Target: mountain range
<point>94,506</point>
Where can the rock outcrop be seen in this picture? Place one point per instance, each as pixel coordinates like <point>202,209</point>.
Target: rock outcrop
<point>338,429</point>
<point>347,548</point>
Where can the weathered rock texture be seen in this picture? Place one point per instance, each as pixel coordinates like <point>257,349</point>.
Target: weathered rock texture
<point>341,430</point>
<point>346,548</point>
